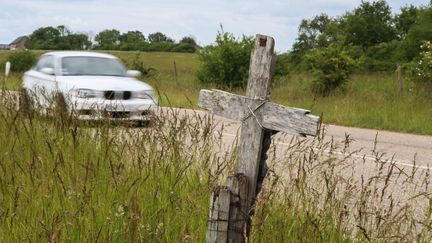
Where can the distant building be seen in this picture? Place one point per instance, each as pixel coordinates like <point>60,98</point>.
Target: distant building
<point>4,47</point>
<point>19,43</point>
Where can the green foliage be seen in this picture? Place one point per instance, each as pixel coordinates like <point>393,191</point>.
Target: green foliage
<point>59,38</point>
<point>381,57</point>
<point>189,40</point>
<point>315,33</point>
<point>186,44</point>
<point>419,32</point>
<point>45,38</point>
<point>331,67</point>
<point>227,62</point>
<point>159,37</point>
<point>421,69</point>
<point>369,24</point>
<point>371,35</point>
<point>282,67</point>
<point>131,40</point>
<point>137,64</point>
<point>108,39</point>
<point>184,47</point>
<point>160,46</point>
<point>406,19</point>
<point>21,60</point>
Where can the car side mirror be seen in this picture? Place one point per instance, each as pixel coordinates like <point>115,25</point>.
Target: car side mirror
<point>47,71</point>
<point>133,73</point>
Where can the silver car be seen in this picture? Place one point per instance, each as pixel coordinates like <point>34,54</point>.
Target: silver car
<point>93,86</point>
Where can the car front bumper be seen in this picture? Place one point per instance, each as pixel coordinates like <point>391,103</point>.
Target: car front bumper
<point>101,109</point>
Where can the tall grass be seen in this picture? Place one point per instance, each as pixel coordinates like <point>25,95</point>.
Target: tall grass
<point>367,100</point>
<point>62,180</point>
<point>319,191</point>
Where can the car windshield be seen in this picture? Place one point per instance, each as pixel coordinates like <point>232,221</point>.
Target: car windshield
<point>95,66</point>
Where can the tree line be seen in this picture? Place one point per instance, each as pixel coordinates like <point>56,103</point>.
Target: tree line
<point>369,38</point>
<point>61,38</point>
<point>370,34</point>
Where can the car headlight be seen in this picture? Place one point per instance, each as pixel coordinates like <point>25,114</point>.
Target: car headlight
<point>144,94</point>
<point>86,93</point>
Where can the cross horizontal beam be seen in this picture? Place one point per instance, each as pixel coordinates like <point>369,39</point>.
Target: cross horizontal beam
<point>274,117</point>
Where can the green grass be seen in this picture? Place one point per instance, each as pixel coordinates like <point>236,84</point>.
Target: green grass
<point>369,100</point>
<point>64,181</point>
<point>61,181</point>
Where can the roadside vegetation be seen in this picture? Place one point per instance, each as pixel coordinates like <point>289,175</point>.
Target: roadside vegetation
<point>366,100</point>
<point>63,180</point>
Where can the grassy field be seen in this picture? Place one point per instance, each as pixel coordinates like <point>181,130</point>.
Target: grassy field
<point>64,181</point>
<point>368,100</point>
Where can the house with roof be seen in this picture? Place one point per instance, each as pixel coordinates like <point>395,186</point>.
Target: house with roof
<point>18,43</point>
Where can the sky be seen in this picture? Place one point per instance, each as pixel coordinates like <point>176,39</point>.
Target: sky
<point>198,18</point>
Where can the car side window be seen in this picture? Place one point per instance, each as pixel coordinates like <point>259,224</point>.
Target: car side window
<point>45,62</point>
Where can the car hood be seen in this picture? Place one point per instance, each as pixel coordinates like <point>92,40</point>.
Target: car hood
<point>101,83</point>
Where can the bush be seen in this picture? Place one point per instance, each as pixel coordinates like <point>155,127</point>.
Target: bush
<point>184,47</point>
<point>160,46</point>
<point>227,62</point>
<point>21,60</point>
<point>137,64</point>
<point>421,70</point>
<point>331,67</point>
<point>282,67</point>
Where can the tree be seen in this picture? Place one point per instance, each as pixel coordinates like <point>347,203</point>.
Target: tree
<point>108,39</point>
<point>77,41</point>
<point>186,44</point>
<point>369,24</point>
<point>419,32</point>
<point>132,37</point>
<point>406,19</point>
<point>227,62</point>
<point>63,30</point>
<point>131,40</point>
<point>159,37</point>
<point>188,40</point>
<point>45,38</point>
<point>316,32</point>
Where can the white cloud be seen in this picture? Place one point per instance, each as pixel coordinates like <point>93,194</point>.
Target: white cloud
<point>199,18</point>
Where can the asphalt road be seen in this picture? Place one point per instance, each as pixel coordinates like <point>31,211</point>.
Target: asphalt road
<point>403,149</point>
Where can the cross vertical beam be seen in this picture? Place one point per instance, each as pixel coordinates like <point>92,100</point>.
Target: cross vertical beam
<point>251,136</point>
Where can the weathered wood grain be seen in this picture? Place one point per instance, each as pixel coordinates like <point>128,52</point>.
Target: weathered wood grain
<point>239,214</point>
<point>217,228</point>
<point>290,120</point>
<point>223,104</point>
<point>251,135</point>
<point>275,117</point>
<point>261,68</point>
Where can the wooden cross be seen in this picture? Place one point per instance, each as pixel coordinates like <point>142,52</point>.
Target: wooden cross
<point>231,206</point>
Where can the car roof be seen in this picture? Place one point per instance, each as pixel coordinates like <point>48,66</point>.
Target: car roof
<point>61,54</point>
